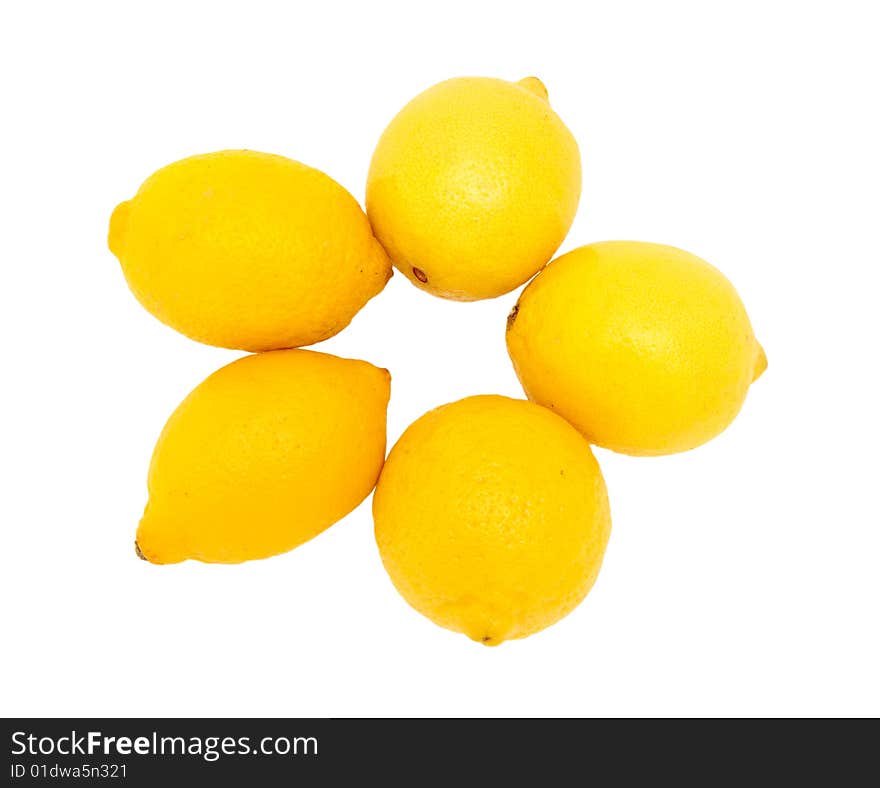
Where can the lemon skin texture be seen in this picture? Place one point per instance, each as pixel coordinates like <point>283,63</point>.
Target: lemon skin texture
<point>263,455</point>
<point>491,517</point>
<point>645,348</point>
<point>473,186</point>
<point>248,250</point>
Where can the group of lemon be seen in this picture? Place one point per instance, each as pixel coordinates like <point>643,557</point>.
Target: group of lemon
<point>491,514</point>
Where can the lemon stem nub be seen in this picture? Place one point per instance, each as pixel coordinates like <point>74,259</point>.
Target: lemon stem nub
<point>534,85</point>
<point>760,363</point>
<point>118,227</point>
<point>511,318</point>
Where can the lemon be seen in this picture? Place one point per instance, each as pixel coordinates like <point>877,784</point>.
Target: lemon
<point>263,455</point>
<point>491,517</point>
<point>248,250</point>
<point>645,348</point>
<point>473,186</point>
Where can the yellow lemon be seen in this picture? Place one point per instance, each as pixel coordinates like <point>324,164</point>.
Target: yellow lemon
<point>491,517</point>
<point>473,186</point>
<point>248,250</point>
<point>645,348</point>
<point>263,455</point>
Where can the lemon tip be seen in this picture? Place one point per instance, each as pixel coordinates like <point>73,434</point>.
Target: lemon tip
<point>534,85</point>
<point>760,362</point>
<point>118,227</point>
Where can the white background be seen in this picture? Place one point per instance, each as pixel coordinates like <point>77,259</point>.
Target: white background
<point>741,578</point>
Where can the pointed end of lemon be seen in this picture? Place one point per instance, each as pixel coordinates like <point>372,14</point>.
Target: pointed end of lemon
<point>534,85</point>
<point>485,636</point>
<point>380,378</point>
<point>760,363</point>
<point>140,554</point>
<point>386,379</point>
<point>118,228</point>
<point>484,623</point>
<point>156,544</point>
<point>511,318</point>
